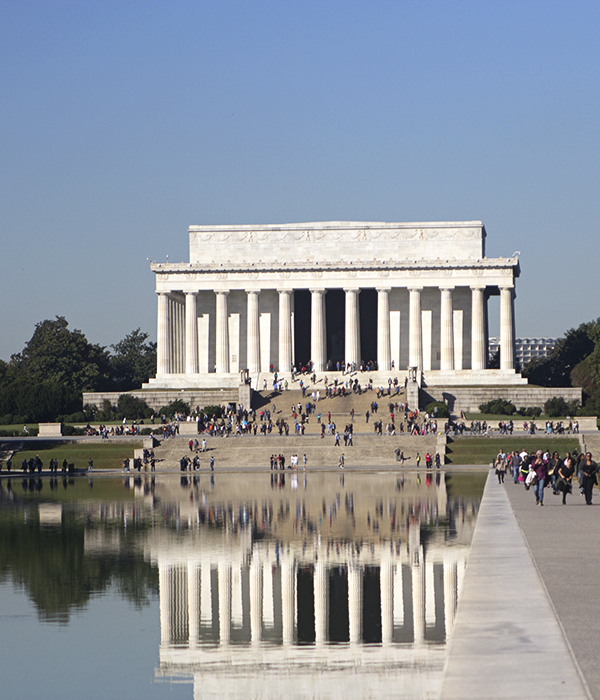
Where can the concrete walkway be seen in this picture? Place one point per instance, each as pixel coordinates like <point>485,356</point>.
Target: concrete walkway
<point>507,641</point>
<point>564,542</point>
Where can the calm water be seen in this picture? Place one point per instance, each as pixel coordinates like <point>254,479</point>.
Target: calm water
<point>254,586</point>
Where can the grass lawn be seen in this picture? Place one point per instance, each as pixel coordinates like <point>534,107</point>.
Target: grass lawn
<point>104,456</point>
<point>484,450</point>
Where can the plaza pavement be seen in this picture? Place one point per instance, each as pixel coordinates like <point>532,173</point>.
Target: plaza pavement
<point>528,618</point>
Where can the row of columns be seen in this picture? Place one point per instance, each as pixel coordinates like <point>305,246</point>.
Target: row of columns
<point>181,613</point>
<point>170,322</point>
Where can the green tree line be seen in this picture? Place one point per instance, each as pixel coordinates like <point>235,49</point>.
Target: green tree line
<point>45,381</point>
<point>573,361</point>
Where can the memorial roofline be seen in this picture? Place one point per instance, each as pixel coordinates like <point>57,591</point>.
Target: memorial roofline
<point>269,266</point>
<point>332,225</point>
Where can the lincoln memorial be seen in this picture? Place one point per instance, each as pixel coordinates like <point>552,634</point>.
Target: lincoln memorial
<point>328,295</point>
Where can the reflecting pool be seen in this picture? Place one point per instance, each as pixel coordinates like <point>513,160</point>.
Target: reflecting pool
<point>299,585</point>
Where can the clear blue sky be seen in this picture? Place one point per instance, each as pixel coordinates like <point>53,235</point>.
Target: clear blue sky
<point>124,122</point>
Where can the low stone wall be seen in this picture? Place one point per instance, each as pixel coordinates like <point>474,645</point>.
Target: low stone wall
<point>156,399</point>
<point>469,398</point>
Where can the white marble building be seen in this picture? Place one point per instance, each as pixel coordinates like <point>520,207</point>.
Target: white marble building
<point>268,298</point>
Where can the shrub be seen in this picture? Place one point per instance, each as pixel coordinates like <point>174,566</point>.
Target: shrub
<point>78,417</point>
<point>556,407</point>
<point>70,430</point>
<point>530,411</point>
<point>7,419</point>
<point>177,406</point>
<point>442,409</point>
<point>212,411</point>
<point>129,406</point>
<point>498,407</point>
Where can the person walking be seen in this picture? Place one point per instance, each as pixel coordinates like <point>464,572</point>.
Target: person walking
<point>212,464</point>
<point>564,478</point>
<point>304,461</point>
<point>540,467</point>
<point>341,463</point>
<point>589,469</point>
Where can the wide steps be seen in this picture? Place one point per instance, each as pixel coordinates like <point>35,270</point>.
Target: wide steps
<point>255,451</point>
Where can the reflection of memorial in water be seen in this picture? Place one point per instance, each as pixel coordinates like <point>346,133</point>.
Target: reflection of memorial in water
<point>358,574</point>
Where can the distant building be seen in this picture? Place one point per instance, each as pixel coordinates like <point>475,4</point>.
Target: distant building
<point>525,348</point>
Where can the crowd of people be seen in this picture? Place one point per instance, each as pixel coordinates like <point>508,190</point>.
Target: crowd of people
<point>540,470</point>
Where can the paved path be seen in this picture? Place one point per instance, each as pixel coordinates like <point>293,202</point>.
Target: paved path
<point>507,641</point>
<point>565,545</point>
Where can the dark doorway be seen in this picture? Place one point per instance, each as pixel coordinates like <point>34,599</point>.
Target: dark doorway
<point>335,316</point>
<point>371,605</point>
<point>302,327</point>
<point>306,605</point>
<point>339,623</point>
<point>367,305</point>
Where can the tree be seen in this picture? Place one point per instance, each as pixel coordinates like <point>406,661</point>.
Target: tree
<point>134,361</point>
<point>569,351</point>
<point>65,357</point>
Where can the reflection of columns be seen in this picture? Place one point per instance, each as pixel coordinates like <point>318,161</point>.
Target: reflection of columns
<point>478,349</point>
<point>163,335</point>
<point>253,332</point>
<point>222,334</point>
<point>318,348</point>
<point>447,331</point>
<point>288,580</point>
<point>355,581</point>
<point>320,588</point>
<point>384,349</point>
<point>450,594</point>
<point>193,579</point>
<point>191,334</point>
<point>256,598</point>
<point>418,596</point>
<point>164,592</point>
<point>285,330</point>
<point>415,335</point>
<point>224,602</point>
<point>352,331</point>
<point>387,601</point>
<point>507,348</point>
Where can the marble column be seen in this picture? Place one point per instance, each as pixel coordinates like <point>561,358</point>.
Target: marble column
<point>355,593</point>
<point>285,330</point>
<point>386,581</point>
<point>384,347</point>
<point>222,334</point>
<point>478,343</point>
<point>418,598</point>
<point>352,328</point>
<point>507,345</point>
<point>165,593</point>
<point>288,599</point>
<point>320,592</point>
<point>450,594</point>
<point>224,602</point>
<point>253,332</point>
<point>193,580</point>
<point>318,337</point>
<point>447,330</point>
<point>256,600</point>
<point>415,335</point>
<point>163,335</point>
<point>191,334</point>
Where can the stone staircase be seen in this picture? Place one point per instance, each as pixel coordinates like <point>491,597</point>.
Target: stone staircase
<point>254,451</point>
<point>340,408</point>
<point>368,450</point>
